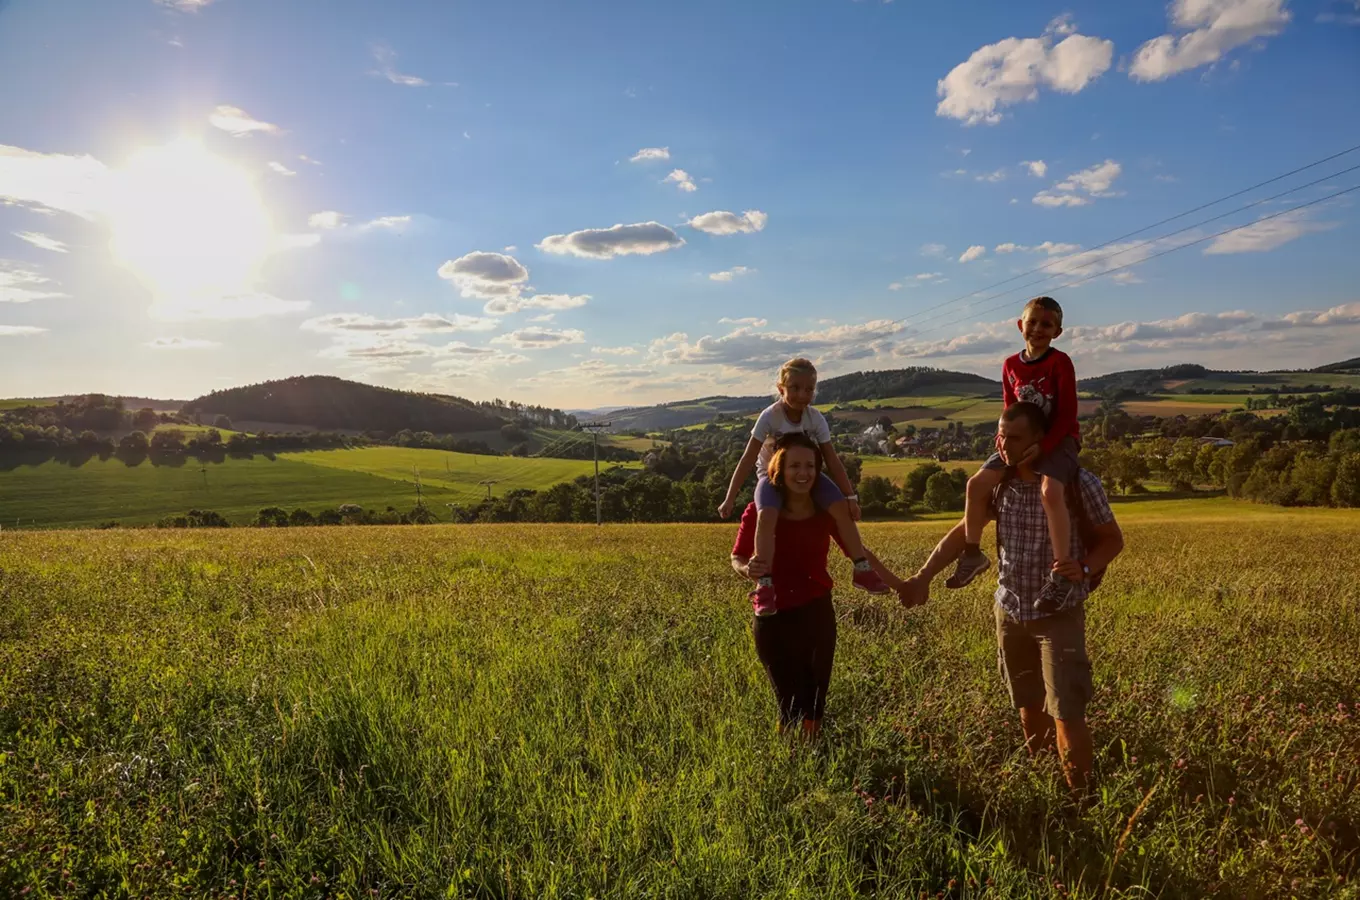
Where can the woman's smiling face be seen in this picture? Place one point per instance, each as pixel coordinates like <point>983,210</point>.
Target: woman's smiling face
<point>799,471</point>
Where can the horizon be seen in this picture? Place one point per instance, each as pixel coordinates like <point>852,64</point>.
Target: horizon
<point>201,194</point>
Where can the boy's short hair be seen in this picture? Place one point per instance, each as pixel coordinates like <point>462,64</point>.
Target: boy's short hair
<point>1047,303</point>
<point>1030,412</point>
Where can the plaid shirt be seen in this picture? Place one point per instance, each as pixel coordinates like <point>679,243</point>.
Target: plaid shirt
<point>1025,554</point>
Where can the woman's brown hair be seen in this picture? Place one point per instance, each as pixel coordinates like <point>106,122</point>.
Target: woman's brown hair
<point>775,469</point>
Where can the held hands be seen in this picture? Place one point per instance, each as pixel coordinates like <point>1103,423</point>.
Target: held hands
<point>915,591</point>
<point>725,509</point>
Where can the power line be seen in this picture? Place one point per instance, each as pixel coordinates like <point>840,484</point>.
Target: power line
<point>1246,190</point>
<point>1054,276</point>
<point>1193,243</point>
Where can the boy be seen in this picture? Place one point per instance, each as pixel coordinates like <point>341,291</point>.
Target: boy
<point>1041,375</point>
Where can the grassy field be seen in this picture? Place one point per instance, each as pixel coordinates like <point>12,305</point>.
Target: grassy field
<point>54,494</point>
<point>571,712</point>
<point>897,469</point>
<point>17,403</point>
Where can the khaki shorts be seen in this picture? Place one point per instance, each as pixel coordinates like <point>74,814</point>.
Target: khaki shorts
<point>1043,662</point>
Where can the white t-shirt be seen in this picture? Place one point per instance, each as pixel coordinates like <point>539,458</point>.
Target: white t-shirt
<point>772,424</point>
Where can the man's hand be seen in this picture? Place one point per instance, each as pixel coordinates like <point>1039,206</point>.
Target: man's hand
<point>1070,569</point>
<point>854,510</point>
<point>725,509</point>
<point>915,591</point>
<point>756,568</point>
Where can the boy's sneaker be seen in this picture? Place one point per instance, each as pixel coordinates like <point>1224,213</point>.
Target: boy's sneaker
<point>868,580</point>
<point>1054,595</point>
<point>970,566</point>
<point>762,599</point>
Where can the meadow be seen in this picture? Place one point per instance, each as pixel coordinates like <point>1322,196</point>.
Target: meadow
<point>54,494</point>
<point>572,712</point>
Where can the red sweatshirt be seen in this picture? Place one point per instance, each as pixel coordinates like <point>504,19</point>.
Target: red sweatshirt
<point>799,566</point>
<point>1050,382</point>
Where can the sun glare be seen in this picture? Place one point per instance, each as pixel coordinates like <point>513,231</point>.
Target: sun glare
<point>189,224</point>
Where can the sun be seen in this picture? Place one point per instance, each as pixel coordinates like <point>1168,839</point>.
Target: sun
<point>189,224</point>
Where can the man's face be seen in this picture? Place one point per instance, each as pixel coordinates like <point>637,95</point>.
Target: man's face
<point>1016,437</point>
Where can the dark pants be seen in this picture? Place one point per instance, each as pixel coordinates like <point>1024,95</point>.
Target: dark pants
<point>796,647</point>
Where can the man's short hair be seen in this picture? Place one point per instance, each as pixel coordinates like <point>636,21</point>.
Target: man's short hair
<point>1047,303</point>
<point>1032,413</point>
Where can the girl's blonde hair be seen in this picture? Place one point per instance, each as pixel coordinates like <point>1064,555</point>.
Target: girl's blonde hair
<point>796,366</point>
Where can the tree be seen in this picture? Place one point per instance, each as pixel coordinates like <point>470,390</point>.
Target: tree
<point>171,440</point>
<point>940,494</point>
<point>421,515</point>
<point>300,517</point>
<point>222,422</point>
<point>1346,485</point>
<point>145,419</point>
<point>914,488</point>
<point>271,517</point>
<point>513,433</point>
<point>134,442</point>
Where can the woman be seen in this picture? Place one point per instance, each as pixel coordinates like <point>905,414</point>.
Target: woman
<point>796,640</point>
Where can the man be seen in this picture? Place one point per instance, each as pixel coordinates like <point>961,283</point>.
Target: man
<point>1042,655</point>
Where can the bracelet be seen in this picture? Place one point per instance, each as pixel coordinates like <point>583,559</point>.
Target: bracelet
<point>854,497</point>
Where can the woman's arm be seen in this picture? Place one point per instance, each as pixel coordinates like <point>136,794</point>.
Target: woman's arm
<point>743,472</point>
<point>748,569</point>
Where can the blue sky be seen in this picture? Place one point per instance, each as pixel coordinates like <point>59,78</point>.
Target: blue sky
<point>196,194</point>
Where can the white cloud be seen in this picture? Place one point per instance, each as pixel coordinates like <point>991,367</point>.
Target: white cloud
<point>932,249</point>
<point>281,169</point>
<point>1267,235</point>
<point>225,307</point>
<point>643,239</point>
<point>615,351</point>
<point>327,219</point>
<point>1345,314</point>
<point>485,275</point>
<point>723,222</point>
<point>41,241</point>
<point>1037,167</point>
<point>181,343</point>
<point>648,154</point>
<point>993,177</point>
<point>895,286</point>
<point>748,350</point>
<point>236,121</point>
<point>974,252</point>
<point>1079,188</point>
<point>682,180</point>
<point>52,181</point>
<point>540,338</point>
<point>20,330</point>
<point>748,322</point>
<point>308,160</point>
<point>546,317</point>
<point>1210,29</point>
<point>397,224</point>
<point>504,306</point>
<point>1013,71</point>
<point>729,274</point>
<point>1048,247</point>
<point>429,323</point>
<point>185,5</point>
<point>386,58</point>
<point>20,285</point>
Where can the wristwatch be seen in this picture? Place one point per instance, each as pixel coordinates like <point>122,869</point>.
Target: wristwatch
<point>1085,569</point>
<point>854,497</point>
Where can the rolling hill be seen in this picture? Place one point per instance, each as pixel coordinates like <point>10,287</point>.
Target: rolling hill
<point>1195,379</point>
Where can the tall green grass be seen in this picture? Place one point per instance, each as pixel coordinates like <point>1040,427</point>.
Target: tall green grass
<point>571,712</point>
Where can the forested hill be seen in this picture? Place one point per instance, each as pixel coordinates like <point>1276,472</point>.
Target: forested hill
<point>902,383</point>
<point>329,403</point>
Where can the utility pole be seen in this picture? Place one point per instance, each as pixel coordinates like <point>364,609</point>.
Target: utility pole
<point>594,429</point>
<point>488,484</point>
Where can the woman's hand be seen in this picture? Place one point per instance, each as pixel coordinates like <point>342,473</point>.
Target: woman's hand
<point>725,508</point>
<point>915,591</point>
<point>756,568</point>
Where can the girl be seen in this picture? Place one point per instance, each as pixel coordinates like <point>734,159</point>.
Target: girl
<point>797,640</point>
<point>793,413</point>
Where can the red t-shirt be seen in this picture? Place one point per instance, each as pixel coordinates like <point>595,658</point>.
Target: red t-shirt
<point>1049,382</point>
<point>801,545</point>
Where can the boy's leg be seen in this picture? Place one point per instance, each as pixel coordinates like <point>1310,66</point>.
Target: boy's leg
<point>1054,495</point>
<point>830,498</point>
<point>977,502</point>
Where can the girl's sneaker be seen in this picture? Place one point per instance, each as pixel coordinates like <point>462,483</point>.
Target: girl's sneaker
<point>868,580</point>
<point>762,598</point>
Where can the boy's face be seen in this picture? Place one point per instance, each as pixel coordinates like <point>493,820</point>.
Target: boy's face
<point>799,390</point>
<point>1039,326</point>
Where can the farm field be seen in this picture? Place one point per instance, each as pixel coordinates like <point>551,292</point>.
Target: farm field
<point>565,711</point>
<point>54,494</point>
<point>897,469</point>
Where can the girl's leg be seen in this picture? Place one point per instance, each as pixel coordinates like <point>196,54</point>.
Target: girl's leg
<point>768,503</point>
